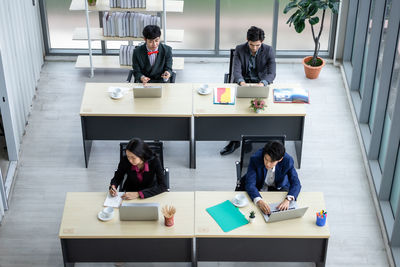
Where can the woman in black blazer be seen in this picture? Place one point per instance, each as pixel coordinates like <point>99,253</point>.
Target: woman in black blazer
<point>145,175</point>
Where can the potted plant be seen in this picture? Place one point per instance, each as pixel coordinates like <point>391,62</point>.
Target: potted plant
<point>306,10</point>
<point>257,104</point>
<point>91,2</point>
<point>252,216</point>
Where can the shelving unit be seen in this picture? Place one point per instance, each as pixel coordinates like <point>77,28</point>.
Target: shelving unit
<point>96,34</point>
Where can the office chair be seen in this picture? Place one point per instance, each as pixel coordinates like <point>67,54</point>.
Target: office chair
<point>157,148</point>
<point>228,77</point>
<point>130,74</point>
<point>250,144</point>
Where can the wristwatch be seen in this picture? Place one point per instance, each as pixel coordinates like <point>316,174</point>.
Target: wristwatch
<point>290,198</point>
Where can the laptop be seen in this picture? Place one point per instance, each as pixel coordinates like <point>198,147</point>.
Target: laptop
<point>139,211</point>
<point>147,91</point>
<point>277,215</point>
<point>252,91</point>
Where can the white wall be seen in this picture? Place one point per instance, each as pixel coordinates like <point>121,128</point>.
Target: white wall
<point>21,49</point>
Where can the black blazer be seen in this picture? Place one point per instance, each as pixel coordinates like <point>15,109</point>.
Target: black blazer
<point>141,64</point>
<point>265,62</point>
<point>153,182</point>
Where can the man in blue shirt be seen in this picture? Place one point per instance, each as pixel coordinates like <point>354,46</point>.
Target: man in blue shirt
<point>253,62</point>
<point>272,169</point>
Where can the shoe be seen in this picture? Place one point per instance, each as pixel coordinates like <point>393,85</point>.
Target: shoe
<point>229,148</point>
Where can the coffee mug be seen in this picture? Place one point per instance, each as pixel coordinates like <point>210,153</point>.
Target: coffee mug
<point>108,212</point>
<point>239,199</point>
<point>203,88</point>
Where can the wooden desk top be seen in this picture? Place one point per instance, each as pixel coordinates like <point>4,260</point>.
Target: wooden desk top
<point>81,209</point>
<point>203,104</point>
<point>304,227</point>
<point>176,101</point>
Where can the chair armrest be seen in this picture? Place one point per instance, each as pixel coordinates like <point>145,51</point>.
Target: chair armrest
<point>226,78</point>
<point>238,174</point>
<point>166,173</point>
<point>129,78</point>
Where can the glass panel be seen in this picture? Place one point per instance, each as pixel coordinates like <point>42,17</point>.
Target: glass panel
<point>395,192</point>
<point>237,18</point>
<point>62,22</point>
<point>390,105</point>
<point>367,41</point>
<point>289,39</point>
<point>379,65</point>
<point>198,22</point>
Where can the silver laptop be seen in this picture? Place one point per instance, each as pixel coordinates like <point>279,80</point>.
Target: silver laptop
<point>139,211</point>
<point>252,91</point>
<point>147,91</point>
<point>277,215</point>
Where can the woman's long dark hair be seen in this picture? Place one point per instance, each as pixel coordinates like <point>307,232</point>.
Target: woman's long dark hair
<point>140,149</point>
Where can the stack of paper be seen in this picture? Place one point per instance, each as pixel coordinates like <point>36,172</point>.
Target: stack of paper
<point>127,24</point>
<point>114,202</point>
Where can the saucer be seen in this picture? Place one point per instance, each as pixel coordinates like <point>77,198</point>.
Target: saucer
<point>206,92</point>
<point>117,96</point>
<point>240,205</point>
<point>101,218</point>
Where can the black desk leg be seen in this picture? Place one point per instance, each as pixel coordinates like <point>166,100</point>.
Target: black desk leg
<point>87,144</point>
<point>64,252</point>
<point>192,144</point>
<point>320,264</point>
<point>194,255</point>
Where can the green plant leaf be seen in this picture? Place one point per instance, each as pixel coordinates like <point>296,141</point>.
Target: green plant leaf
<point>313,20</point>
<point>299,26</point>
<point>312,9</point>
<point>289,6</point>
<point>335,7</point>
<point>290,20</point>
<point>305,3</point>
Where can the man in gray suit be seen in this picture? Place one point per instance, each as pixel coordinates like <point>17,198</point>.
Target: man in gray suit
<point>253,62</point>
<point>152,61</point>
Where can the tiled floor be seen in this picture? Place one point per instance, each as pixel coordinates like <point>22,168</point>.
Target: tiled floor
<point>51,164</point>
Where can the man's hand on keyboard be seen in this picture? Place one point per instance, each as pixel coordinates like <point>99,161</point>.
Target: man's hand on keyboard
<point>284,205</point>
<point>263,206</point>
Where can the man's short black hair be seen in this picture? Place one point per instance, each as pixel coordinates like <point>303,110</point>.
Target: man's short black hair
<point>151,32</point>
<point>255,34</point>
<point>276,150</point>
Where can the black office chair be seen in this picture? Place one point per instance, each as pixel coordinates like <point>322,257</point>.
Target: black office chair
<point>228,77</point>
<point>157,148</point>
<point>250,144</point>
<point>130,74</point>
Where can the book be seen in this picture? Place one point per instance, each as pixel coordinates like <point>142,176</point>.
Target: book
<point>224,95</point>
<point>291,95</point>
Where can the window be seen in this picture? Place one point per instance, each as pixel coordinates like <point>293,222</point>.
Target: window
<point>289,39</point>
<point>238,16</point>
<point>390,105</point>
<point>62,23</point>
<point>395,192</point>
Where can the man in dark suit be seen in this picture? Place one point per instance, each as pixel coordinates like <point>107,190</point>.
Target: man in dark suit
<point>152,61</point>
<point>271,169</point>
<point>253,62</point>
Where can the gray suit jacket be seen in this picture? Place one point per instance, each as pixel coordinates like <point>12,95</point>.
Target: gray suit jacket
<point>265,62</point>
<point>141,64</point>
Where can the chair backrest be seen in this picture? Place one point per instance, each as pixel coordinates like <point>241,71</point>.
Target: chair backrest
<point>156,147</point>
<point>252,143</point>
<point>228,78</point>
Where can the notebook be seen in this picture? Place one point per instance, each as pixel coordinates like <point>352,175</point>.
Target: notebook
<point>224,95</point>
<point>252,91</point>
<point>277,215</point>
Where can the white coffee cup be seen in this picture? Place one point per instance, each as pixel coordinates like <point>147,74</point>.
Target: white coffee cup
<point>203,88</point>
<point>107,212</point>
<point>239,199</point>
